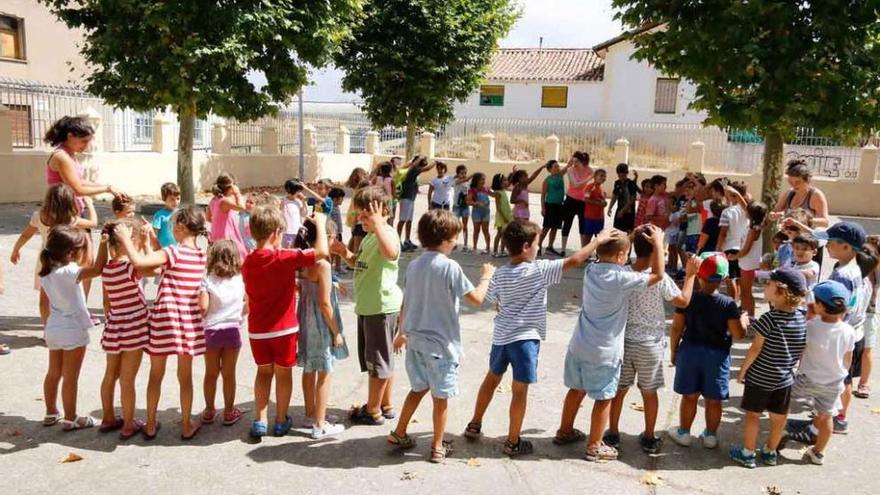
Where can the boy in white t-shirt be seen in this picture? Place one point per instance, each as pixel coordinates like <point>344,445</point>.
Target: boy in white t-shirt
<point>440,191</point>
<point>734,224</point>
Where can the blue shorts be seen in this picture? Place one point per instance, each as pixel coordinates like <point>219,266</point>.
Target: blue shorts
<point>426,371</point>
<point>592,226</point>
<point>702,370</point>
<point>690,243</point>
<point>521,355</point>
<point>481,215</point>
<point>462,211</point>
<point>598,381</point>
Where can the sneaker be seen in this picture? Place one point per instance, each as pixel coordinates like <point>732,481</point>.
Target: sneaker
<point>553,251</point>
<point>739,456</point>
<point>814,457</point>
<point>710,439</point>
<point>768,457</point>
<point>259,429</point>
<point>611,439</point>
<point>650,445</point>
<point>328,430</point>
<point>679,436</point>
<point>840,425</point>
<point>793,425</point>
<point>802,435</point>
<point>601,452</point>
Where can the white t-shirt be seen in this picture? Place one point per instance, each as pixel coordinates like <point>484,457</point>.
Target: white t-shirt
<point>645,317</point>
<point>752,259</point>
<point>827,343</point>
<point>225,301</point>
<point>69,320</point>
<point>442,189</point>
<point>292,210</point>
<point>737,222</point>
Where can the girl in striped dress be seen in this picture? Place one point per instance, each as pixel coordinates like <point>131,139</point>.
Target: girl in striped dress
<point>125,334</point>
<point>175,321</point>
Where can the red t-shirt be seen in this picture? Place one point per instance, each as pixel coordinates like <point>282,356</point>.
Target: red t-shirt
<point>270,284</point>
<point>591,211</point>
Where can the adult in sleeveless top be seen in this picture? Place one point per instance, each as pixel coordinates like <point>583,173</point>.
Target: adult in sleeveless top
<point>578,172</point>
<point>803,195</point>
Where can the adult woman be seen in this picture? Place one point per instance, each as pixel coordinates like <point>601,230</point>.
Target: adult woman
<point>579,172</point>
<point>802,195</point>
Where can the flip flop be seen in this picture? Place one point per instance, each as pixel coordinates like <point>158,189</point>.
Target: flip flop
<point>117,424</point>
<point>147,436</point>
<point>138,427</point>
<point>193,434</point>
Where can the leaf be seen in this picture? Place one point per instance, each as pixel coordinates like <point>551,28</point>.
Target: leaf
<point>773,490</point>
<point>651,479</point>
<point>503,389</point>
<point>473,462</point>
<point>409,475</point>
<point>71,457</point>
<point>875,410</point>
<point>414,420</point>
<point>635,406</point>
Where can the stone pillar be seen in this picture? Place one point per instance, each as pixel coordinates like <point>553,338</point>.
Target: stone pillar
<point>269,140</point>
<point>163,137</point>
<point>221,142</point>
<point>94,119</point>
<point>426,145</point>
<point>310,140</point>
<point>868,164</point>
<point>696,157</point>
<point>343,140</point>
<point>551,148</point>
<point>372,143</point>
<point>487,147</point>
<point>5,130</point>
<point>621,151</point>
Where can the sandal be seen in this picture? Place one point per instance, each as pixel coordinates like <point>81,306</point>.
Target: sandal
<point>259,429</point>
<point>232,417</point>
<point>401,442</point>
<point>863,392</point>
<point>600,452</point>
<point>438,456</point>
<point>360,415</point>
<point>522,447</point>
<point>4,349</point>
<point>138,427</point>
<point>148,437</point>
<point>208,416</point>
<point>565,438</point>
<point>117,423</point>
<point>80,423</point>
<point>473,431</point>
<point>193,433</point>
<point>388,412</point>
<point>51,419</point>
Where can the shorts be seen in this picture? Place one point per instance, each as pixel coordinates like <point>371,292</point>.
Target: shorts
<point>733,271</point>
<point>691,242</point>
<point>288,240</point>
<point>521,355</point>
<point>375,342</point>
<point>872,321</point>
<point>223,338</point>
<point>462,211</point>
<point>825,398</point>
<point>747,274</point>
<point>66,339</point>
<point>427,371</point>
<point>358,231</point>
<point>554,214</point>
<point>702,370</point>
<point>407,207</point>
<point>758,400</point>
<point>599,382</point>
<point>280,351</point>
<point>480,215</point>
<point>626,222</point>
<point>572,208</point>
<point>592,226</point>
<point>855,369</point>
<point>438,206</point>
<point>645,361</point>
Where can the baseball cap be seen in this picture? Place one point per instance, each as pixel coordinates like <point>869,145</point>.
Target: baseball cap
<point>792,278</point>
<point>714,267</point>
<point>829,290</point>
<point>848,232</point>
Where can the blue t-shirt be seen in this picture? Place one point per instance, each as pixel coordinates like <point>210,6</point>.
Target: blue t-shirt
<point>162,226</point>
<point>705,320</point>
<point>598,335</point>
<point>432,293</point>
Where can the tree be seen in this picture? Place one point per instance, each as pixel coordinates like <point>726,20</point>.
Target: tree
<point>410,60</point>
<point>195,55</point>
<point>769,65</point>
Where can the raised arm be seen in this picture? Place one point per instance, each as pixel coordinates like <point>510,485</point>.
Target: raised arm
<point>478,295</point>
<point>144,262</point>
<point>66,168</point>
<point>389,247</point>
<point>25,236</point>
<point>321,247</point>
<point>687,289</point>
<point>97,267</point>
<point>656,236</point>
<point>534,175</point>
<point>585,252</point>
<point>92,221</point>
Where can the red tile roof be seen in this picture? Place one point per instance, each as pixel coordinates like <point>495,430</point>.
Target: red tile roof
<point>546,64</point>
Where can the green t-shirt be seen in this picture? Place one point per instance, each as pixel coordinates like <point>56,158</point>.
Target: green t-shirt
<point>555,190</point>
<point>375,279</point>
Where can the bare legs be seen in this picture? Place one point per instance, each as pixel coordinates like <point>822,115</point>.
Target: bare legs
<point>154,392</point>
<point>517,412</point>
<point>316,391</point>
<point>220,362</point>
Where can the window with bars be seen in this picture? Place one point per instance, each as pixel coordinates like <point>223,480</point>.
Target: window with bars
<point>11,37</point>
<point>554,96</point>
<point>143,127</point>
<point>22,133</point>
<point>666,96</point>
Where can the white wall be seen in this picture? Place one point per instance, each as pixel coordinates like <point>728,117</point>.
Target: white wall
<point>523,101</point>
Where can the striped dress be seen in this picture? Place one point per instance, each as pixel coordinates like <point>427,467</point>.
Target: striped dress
<point>176,325</point>
<point>126,328</point>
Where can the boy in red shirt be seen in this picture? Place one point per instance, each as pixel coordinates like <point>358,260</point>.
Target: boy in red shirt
<point>594,211</point>
<point>270,284</point>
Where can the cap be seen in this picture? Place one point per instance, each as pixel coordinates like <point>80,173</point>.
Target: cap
<point>848,232</point>
<point>714,267</point>
<point>792,278</point>
<point>830,290</point>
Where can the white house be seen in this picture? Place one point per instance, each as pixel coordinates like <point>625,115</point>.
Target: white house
<point>600,83</point>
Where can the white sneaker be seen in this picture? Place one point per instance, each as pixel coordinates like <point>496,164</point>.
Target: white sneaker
<point>329,430</point>
<point>815,457</point>
<point>710,440</point>
<point>682,438</point>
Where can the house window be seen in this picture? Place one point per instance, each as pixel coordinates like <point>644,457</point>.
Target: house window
<point>491,96</point>
<point>11,38</point>
<point>666,96</point>
<point>22,135</point>
<point>143,127</point>
<point>554,96</point>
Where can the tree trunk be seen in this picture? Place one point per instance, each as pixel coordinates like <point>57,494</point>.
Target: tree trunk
<point>410,141</point>
<point>772,179</point>
<point>187,120</point>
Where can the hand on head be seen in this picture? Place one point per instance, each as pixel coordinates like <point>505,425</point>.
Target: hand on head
<point>693,265</point>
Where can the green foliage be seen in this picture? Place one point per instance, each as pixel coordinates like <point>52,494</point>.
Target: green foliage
<point>411,60</point>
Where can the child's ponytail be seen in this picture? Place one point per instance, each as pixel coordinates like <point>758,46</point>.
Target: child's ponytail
<point>224,181</point>
<point>61,242</point>
<point>193,219</point>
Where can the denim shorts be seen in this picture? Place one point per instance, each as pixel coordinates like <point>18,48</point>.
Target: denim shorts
<point>702,370</point>
<point>598,381</point>
<point>427,371</point>
<point>521,355</point>
<point>872,323</point>
<point>592,226</point>
<point>481,215</point>
<point>462,211</point>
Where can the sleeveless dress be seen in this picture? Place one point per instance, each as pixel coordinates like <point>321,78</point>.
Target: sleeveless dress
<point>126,328</point>
<point>519,211</point>
<point>175,320</point>
<point>315,351</point>
<point>224,225</point>
<point>54,177</point>
<point>503,214</point>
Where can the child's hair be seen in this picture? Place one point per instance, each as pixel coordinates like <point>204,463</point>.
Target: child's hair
<point>600,171</point>
<point>224,182</point>
<point>805,239</point>
<point>336,192</point>
<point>441,166</point>
<point>62,240</point>
<point>369,195</point>
<point>739,187</point>
<point>717,208</point>
<point>461,168</point>
<point>581,156</point>
<point>68,126</point>
<point>109,230</point>
<point>646,183</point>
<point>622,168</point>
<point>658,180</point>
<point>169,189</point>
<point>867,258</point>
<point>437,226</point>
<point>475,180</point>
<point>801,215</point>
<point>613,247</point>
<point>780,236</point>
<point>265,221</point>
<point>384,169</point>
<point>679,184</point>
<point>120,203</point>
<point>516,235</point>
<point>641,244</point>
<point>192,218</point>
<point>550,163</point>
<point>838,308</point>
<point>700,178</point>
<point>717,185</point>
<point>292,186</point>
<point>757,212</point>
<point>224,261</point>
<point>517,177</point>
<point>357,176</point>
<point>497,181</point>
<point>59,206</point>
<point>307,235</point>
<point>791,298</point>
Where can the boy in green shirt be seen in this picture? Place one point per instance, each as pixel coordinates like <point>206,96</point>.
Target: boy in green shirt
<point>377,301</point>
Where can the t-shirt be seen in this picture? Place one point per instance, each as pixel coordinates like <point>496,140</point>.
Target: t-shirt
<point>711,229</point>
<point>785,336</point>
<point>646,318</point>
<point>480,197</point>
<point>737,223</point>
<point>657,211</point>
<point>705,320</point>
<point>442,189</point>
<point>225,301</point>
<point>827,344</point>
<point>811,266</point>
<point>785,255</point>
<point>520,295</point>
<point>752,259</point>
<point>409,186</point>
<point>162,226</point>
<point>292,210</point>
<point>625,191</point>
<point>694,221</point>
<point>375,278</point>
<point>598,334</point>
<point>576,179</point>
<point>460,193</point>
<point>67,300</point>
<point>433,289</point>
<point>270,283</point>
<point>555,194</point>
<point>850,275</point>
<point>244,228</point>
<point>591,211</point>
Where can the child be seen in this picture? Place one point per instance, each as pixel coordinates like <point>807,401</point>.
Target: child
<point>122,207</point>
<point>624,196</point>
<point>503,213</point>
<point>520,180</point>
<point>872,323</point>
<point>434,287</point>
<point>645,194</point>
<point>460,204</point>
<point>594,356</point>
<point>594,197</point>
<point>337,195</point>
<point>321,341</point>
<point>657,209</point>
<point>795,222</point>
<point>409,189</point>
<point>377,302</point>
<point>244,219</point>
<point>708,242</point>
<point>805,248</point>
<point>221,300</point>
<point>770,261</point>
<point>733,226</point>
<point>768,369</point>
<point>552,199</point>
<point>693,210</point>
<point>440,190</point>
<point>67,328</point>
<point>519,291</point>
<point>749,256</point>
<point>644,342</point>
<point>293,206</point>
<point>175,320</point>
<point>823,366</point>
<point>162,223</point>
<point>269,275</point>
<point>356,181</point>
<point>699,346</point>
<point>478,199</point>
<point>223,210</point>
<point>383,178</point>
<point>126,333</point>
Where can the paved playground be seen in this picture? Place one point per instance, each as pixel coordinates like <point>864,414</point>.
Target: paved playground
<point>223,459</point>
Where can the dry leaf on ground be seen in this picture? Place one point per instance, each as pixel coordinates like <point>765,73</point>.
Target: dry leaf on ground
<point>414,420</point>
<point>773,490</point>
<point>71,457</point>
<point>409,476</point>
<point>473,462</point>
<point>503,389</point>
<point>635,406</point>
<point>652,479</point>
<point>875,410</point>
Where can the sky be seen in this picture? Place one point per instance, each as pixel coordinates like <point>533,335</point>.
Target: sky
<point>562,24</point>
